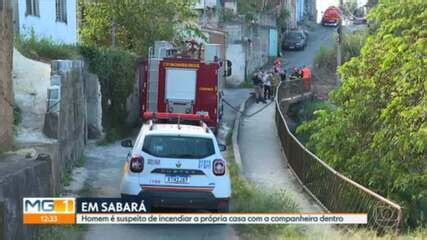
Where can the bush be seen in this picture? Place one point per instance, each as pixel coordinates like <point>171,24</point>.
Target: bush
<point>326,57</point>
<point>228,15</point>
<point>377,133</point>
<point>306,113</point>
<point>353,43</point>
<point>115,69</point>
<point>116,72</point>
<point>44,49</point>
<point>249,198</point>
<point>17,115</point>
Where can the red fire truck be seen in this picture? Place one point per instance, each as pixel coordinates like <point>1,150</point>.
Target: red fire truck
<point>187,81</point>
<point>331,16</point>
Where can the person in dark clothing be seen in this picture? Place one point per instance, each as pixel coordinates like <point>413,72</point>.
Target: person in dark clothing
<point>267,86</point>
<point>283,75</point>
<point>258,86</point>
<point>296,73</point>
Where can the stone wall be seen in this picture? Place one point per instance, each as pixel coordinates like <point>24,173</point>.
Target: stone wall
<point>66,123</point>
<point>6,93</point>
<point>94,105</point>
<point>21,177</point>
<point>72,131</point>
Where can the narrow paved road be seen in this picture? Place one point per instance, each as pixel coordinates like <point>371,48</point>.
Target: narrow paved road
<point>101,177</point>
<point>262,155</point>
<point>318,36</point>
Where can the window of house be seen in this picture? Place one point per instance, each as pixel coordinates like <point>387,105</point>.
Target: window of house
<point>61,10</point>
<point>33,8</point>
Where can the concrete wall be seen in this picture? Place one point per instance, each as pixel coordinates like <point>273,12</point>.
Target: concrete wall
<point>72,132</point>
<point>20,177</point>
<point>46,25</point>
<point>6,93</point>
<point>94,105</point>
<point>257,52</point>
<point>249,47</point>
<point>236,54</point>
<point>132,103</point>
<point>68,124</point>
<point>31,79</point>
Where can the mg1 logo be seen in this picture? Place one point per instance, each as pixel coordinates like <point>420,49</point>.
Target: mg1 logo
<point>49,210</point>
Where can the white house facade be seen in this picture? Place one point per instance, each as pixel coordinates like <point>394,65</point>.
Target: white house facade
<point>54,19</point>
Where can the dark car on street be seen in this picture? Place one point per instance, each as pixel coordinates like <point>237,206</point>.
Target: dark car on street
<point>294,40</point>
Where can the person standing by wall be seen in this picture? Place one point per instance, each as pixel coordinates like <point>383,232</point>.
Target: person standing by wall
<point>258,86</point>
<point>306,77</point>
<point>267,85</point>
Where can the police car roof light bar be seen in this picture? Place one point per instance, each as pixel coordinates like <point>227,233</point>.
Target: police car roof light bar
<point>183,116</point>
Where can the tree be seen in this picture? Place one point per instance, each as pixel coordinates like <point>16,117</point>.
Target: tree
<point>251,8</point>
<point>377,134</point>
<point>132,24</point>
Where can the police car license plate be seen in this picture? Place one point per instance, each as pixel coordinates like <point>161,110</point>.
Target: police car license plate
<point>177,179</point>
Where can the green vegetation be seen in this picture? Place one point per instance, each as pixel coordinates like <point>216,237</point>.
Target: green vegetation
<point>254,6</point>
<point>228,15</point>
<point>54,232</point>
<point>17,116</point>
<point>115,69</point>
<point>134,25</point>
<point>112,33</point>
<point>67,174</point>
<point>249,198</point>
<point>282,19</point>
<point>71,232</point>
<point>377,134</point>
<point>44,49</point>
<point>304,111</point>
<point>326,57</point>
<point>116,73</point>
<point>251,9</point>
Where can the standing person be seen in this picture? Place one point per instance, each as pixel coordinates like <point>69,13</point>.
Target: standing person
<point>306,77</point>
<point>267,86</point>
<point>256,80</point>
<point>282,75</point>
<point>264,78</point>
<point>276,79</point>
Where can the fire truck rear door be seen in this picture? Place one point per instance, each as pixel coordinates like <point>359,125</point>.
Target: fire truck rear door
<point>180,89</point>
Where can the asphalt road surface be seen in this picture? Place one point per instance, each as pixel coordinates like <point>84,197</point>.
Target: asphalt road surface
<point>101,177</point>
<point>318,36</point>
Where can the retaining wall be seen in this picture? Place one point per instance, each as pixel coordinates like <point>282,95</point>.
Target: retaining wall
<point>6,94</point>
<point>21,177</point>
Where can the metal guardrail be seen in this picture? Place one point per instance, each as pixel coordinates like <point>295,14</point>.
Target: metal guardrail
<point>332,190</point>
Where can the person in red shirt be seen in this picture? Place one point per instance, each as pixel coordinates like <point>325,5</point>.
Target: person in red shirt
<point>306,77</point>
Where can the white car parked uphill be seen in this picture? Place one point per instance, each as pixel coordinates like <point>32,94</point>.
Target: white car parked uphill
<point>176,166</point>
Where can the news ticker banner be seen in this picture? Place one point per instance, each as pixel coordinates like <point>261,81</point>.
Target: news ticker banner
<point>119,211</point>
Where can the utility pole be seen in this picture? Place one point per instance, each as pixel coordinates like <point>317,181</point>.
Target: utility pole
<point>340,36</point>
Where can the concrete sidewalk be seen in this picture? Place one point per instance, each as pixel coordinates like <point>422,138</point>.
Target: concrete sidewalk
<point>263,159</point>
<point>265,164</point>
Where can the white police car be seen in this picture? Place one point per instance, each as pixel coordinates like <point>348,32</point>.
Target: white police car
<point>176,166</point>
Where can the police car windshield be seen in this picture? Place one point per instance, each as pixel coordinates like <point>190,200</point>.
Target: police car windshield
<point>178,146</point>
